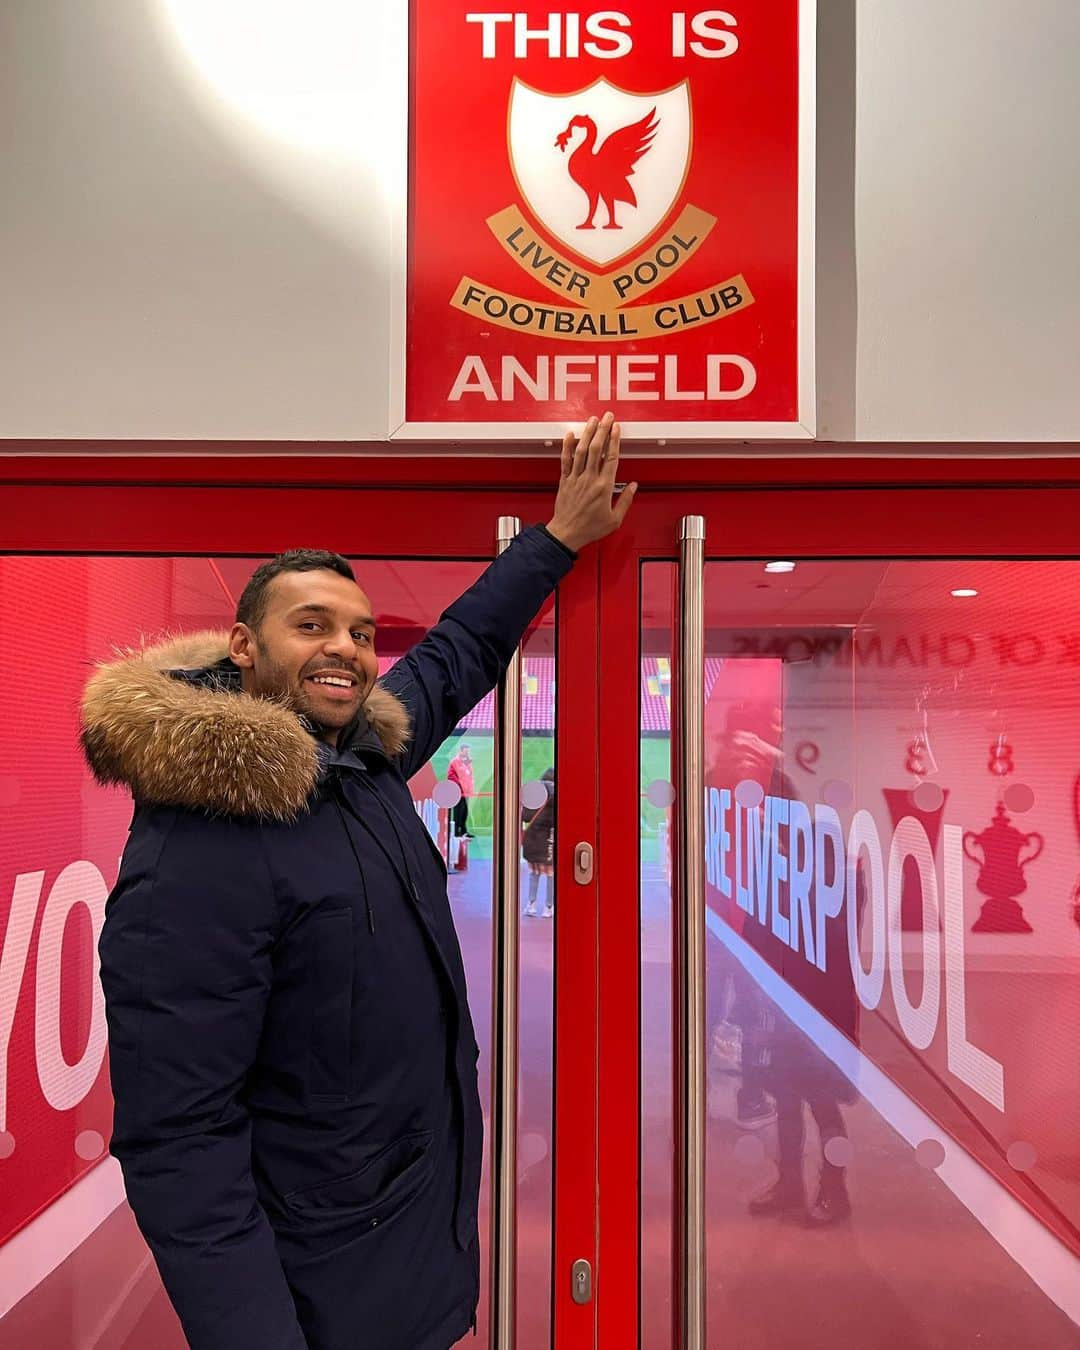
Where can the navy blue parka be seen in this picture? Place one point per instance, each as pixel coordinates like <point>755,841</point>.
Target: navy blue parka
<point>292,1056</point>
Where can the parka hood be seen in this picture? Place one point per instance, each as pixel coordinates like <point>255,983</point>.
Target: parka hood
<point>172,722</point>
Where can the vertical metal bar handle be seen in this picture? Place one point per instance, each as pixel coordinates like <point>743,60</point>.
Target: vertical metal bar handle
<point>689,940</point>
<point>504,994</point>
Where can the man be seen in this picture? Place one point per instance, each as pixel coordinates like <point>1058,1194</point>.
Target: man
<point>461,773</point>
<point>292,1056</point>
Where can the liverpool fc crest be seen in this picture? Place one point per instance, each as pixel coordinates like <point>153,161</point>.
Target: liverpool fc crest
<point>602,171</point>
<point>601,168</point>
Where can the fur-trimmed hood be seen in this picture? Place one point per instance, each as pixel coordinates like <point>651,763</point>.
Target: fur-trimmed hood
<point>171,721</point>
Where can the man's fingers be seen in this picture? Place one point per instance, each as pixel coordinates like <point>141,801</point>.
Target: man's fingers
<point>626,500</point>
<point>584,441</point>
<point>611,454</point>
<point>598,445</point>
<point>567,457</point>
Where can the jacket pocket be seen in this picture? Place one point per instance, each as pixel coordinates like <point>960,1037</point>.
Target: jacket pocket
<point>330,994</point>
<point>375,1192</point>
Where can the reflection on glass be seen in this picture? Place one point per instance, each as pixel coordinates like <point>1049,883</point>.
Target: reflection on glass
<point>657,1029</point>
<point>469,857</point>
<point>59,852</point>
<point>892,814</point>
<point>538,843</point>
<point>538,887</point>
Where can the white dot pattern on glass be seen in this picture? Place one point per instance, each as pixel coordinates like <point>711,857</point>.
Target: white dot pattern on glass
<point>839,1151</point>
<point>446,793</point>
<point>534,794</point>
<point>749,794</point>
<point>928,797</point>
<point>660,793</point>
<point>89,1145</point>
<point>1018,798</point>
<point>1022,1156</point>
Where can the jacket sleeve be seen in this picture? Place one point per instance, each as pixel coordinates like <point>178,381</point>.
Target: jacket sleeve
<point>461,659</point>
<point>186,969</point>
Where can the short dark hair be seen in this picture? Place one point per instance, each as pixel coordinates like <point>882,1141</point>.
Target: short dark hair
<point>253,602</point>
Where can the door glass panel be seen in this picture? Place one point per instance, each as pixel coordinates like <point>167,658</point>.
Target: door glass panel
<point>657,1029</point>
<point>893,955</point>
<point>470,891</point>
<point>73,1266</point>
<point>536,986</point>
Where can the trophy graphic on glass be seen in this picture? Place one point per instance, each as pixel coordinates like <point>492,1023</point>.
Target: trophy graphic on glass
<point>1001,872</point>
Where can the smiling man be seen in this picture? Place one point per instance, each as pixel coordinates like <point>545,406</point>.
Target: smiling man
<point>305,634</point>
<point>292,1055</point>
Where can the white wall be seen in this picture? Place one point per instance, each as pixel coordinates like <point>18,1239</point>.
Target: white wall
<point>195,237</point>
<point>967,214</point>
<point>196,230</point>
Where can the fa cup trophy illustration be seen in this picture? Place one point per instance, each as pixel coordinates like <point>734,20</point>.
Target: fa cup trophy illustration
<point>1001,872</point>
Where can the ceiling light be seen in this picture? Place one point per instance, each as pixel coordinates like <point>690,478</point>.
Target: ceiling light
<point>780,567</point>
<point>964,593</point>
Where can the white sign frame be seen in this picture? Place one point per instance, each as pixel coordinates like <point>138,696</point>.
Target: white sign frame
<point>804,428</point>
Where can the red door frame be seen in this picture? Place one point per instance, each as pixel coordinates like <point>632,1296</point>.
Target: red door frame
<point>993,514</point>
<point>162,504</point>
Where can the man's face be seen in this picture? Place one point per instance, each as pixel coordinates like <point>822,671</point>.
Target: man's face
<point>315,648</point>
<point>464,752</point>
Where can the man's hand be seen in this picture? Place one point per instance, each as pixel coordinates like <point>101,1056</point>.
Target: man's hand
<point>583,508</point>
<point>753,755</point>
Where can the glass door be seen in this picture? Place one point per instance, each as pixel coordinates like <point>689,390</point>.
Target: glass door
<point>72,1264</point>
<point>887,846</point>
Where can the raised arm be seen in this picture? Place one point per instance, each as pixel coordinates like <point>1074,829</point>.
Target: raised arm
<point>459,660</point>
<point>462,658</point>
<point>185,965</point>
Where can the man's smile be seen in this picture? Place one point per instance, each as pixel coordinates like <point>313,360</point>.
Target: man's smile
<point>339,685</point>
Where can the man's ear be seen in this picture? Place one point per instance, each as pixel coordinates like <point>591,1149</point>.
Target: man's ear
<point>241,646</point>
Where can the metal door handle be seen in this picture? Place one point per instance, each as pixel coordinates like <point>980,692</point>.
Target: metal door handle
<point>689,915</point>
<point>504,993</point>
<point>583,863</point>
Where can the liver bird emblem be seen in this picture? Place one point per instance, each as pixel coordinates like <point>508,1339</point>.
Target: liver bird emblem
<point>603,173</point>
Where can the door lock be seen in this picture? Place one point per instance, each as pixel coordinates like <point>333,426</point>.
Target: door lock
<point>583,863</point>
<point>581,1282</point>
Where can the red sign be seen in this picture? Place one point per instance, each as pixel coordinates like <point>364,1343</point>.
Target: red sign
<point>607,207</point>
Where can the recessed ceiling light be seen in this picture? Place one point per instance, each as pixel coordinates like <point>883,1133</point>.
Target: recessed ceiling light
<point>964,593</point>
<point>780,567</point>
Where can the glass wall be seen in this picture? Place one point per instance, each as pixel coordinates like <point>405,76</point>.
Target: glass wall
<point>892,850</point>
<point>73,1267</point>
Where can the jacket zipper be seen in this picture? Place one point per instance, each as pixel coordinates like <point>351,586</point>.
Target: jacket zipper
<point>356,856</point>
<point>402,868</point>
